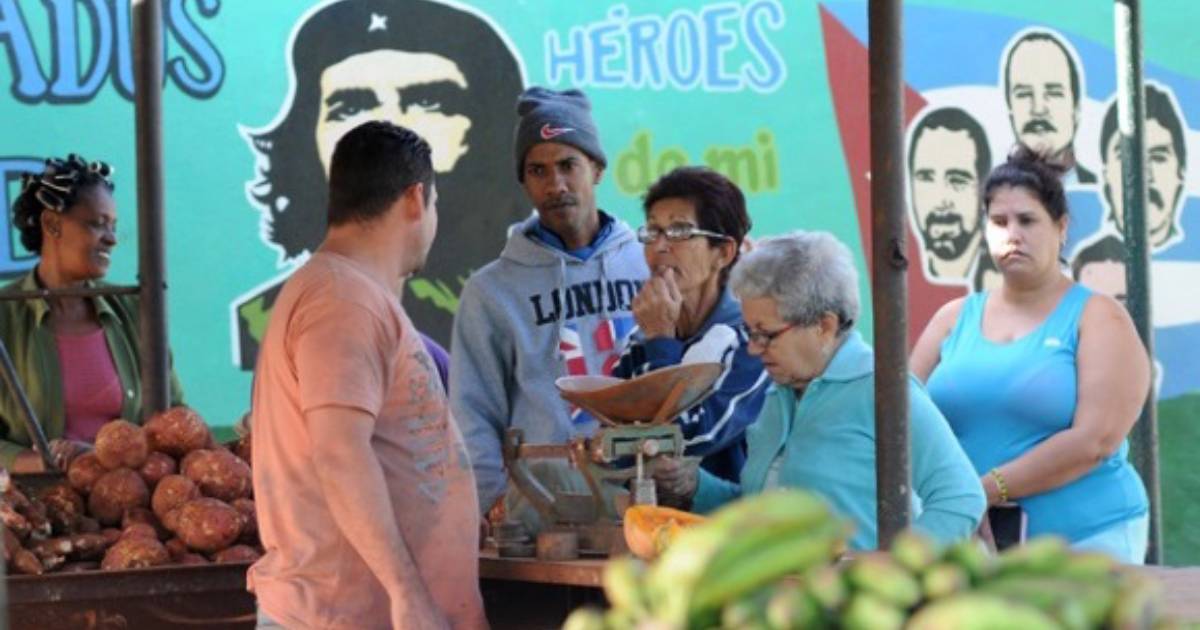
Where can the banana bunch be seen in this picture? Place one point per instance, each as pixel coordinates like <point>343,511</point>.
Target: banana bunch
<point>741,550</point>
<point>1041,584</point>
<point>733,577</point>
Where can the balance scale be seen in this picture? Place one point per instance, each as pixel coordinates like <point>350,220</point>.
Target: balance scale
<point>636,424</point>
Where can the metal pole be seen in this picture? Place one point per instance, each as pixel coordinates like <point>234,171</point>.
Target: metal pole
<point>45,294</point>
<point>1131,121</point>
<point>8,374</point>
<point>888,267</point>
<point>148,61</point>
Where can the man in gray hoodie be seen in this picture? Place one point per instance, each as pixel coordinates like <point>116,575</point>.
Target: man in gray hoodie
<point>556,302</point>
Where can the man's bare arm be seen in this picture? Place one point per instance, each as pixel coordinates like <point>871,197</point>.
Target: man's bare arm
<point>352,483</point>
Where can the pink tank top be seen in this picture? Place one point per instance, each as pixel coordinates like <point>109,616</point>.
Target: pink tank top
<point>91,387</point>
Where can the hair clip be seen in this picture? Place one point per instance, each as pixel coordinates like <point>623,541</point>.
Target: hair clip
<point>49,199</point>
<point>61,182</point>
<point>100,168</point>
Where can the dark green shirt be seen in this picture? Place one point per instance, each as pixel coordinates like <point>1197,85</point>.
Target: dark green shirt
<point>26,331</point>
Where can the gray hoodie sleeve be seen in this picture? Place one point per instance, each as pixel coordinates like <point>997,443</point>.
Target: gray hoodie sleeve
<point>479,374</point>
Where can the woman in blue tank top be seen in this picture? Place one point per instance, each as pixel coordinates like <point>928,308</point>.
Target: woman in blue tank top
<point>1041,380</point>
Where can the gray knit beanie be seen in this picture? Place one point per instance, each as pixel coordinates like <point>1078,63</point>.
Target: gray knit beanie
<point>549,116</point>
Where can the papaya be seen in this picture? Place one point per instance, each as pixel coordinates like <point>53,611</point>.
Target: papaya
<point>649,529</point>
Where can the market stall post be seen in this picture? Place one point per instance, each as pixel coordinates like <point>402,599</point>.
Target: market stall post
<point>889,290</point>
<point>1131,123</point>
<point>148,53</point>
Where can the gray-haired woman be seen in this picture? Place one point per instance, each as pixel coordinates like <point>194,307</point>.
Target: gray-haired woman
<point>799,295</point>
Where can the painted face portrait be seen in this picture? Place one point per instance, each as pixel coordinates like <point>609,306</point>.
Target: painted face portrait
<point>1166,164</point>
<point>945,191</point>
<point>1107,277</point>
<point>947,158</point>
<point>1164,182</point>
<point>356,60</point>
<point>1101,267</point>
<point>1042,94</point>
<point>420,91</point>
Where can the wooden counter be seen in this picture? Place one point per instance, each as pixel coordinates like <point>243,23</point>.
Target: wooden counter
<point>584,572</point>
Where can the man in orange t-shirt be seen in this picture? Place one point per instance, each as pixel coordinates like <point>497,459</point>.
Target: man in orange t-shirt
<point>366,500</point>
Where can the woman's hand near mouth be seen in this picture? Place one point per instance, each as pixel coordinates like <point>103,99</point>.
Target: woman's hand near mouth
<point>656,307</point>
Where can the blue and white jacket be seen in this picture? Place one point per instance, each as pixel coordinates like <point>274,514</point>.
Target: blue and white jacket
<point>714,429</point>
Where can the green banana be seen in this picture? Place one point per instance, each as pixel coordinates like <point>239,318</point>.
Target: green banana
<point>1139,603</point>
<point>671,582</point>
<point>623,584</point>
<point>775,513</point>
<point>1040,556</point>
<point>619,619</point>
<point>587,618</point>
<point>1051,594</point>
<point>977,611</point>
<point>755,538</point>
<point>868,612</point>
<point>791,552</point>
<point>884,578</point>
<point>972,557</point>
<point>827,586</point>
<point>914,551</point>
<point>791,608</point>
<point>1087,566</point>
<point>746,611</point>
<point>944,579</point>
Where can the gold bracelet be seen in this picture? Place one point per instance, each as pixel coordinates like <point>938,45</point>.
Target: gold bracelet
<point>1000,484</point>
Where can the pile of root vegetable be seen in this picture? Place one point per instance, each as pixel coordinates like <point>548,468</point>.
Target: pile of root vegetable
<point>771,562</point>
<point>152,495</point>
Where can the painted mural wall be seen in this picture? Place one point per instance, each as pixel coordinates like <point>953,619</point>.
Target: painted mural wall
<point>771,92</point>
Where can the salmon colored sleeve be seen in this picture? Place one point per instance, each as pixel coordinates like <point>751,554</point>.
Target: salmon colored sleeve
<point>338,349</point>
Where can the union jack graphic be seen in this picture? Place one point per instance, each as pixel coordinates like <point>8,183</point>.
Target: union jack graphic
<point>608,337</point>
<point>570,347</point>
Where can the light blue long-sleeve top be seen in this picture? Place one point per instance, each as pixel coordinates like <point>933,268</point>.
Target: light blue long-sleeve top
<point>824,441</point>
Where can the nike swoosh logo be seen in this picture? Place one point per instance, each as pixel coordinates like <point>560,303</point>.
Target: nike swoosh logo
<point>548,132</point>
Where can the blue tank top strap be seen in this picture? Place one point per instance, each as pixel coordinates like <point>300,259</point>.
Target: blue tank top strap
<point>970,320</point>
<point>1063,322</point>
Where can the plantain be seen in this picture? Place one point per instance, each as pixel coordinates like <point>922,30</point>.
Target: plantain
<point>622,580</point>
<point>769,516</point>
<point>969,555</point>
<point>791,608</point>
<point>868,612</point>
<point>1139,603</point>
<point>617,619</point>
<point>944,579</point>
<point>1040,556</point>
<point>741,529</point>
<point>884,578</point>
<point>790,552</point>
<point>1087,566</point>
<point>587,618</point>
<point>1057,596</point>
<point>747,611</point>
<point>978,611</point>
<point>827,586</point>
<point>914,551</point>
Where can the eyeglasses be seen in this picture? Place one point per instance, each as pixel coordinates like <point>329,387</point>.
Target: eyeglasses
<point>763,338</point>
<point>676,232</point>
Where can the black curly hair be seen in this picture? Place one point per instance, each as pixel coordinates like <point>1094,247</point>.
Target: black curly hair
<point>57,188</point>
<point>1036,172</point>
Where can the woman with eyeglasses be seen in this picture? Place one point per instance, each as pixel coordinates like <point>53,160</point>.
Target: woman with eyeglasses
<point>696,221</point>
<point>799,296</point>
<point>76,357</point>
